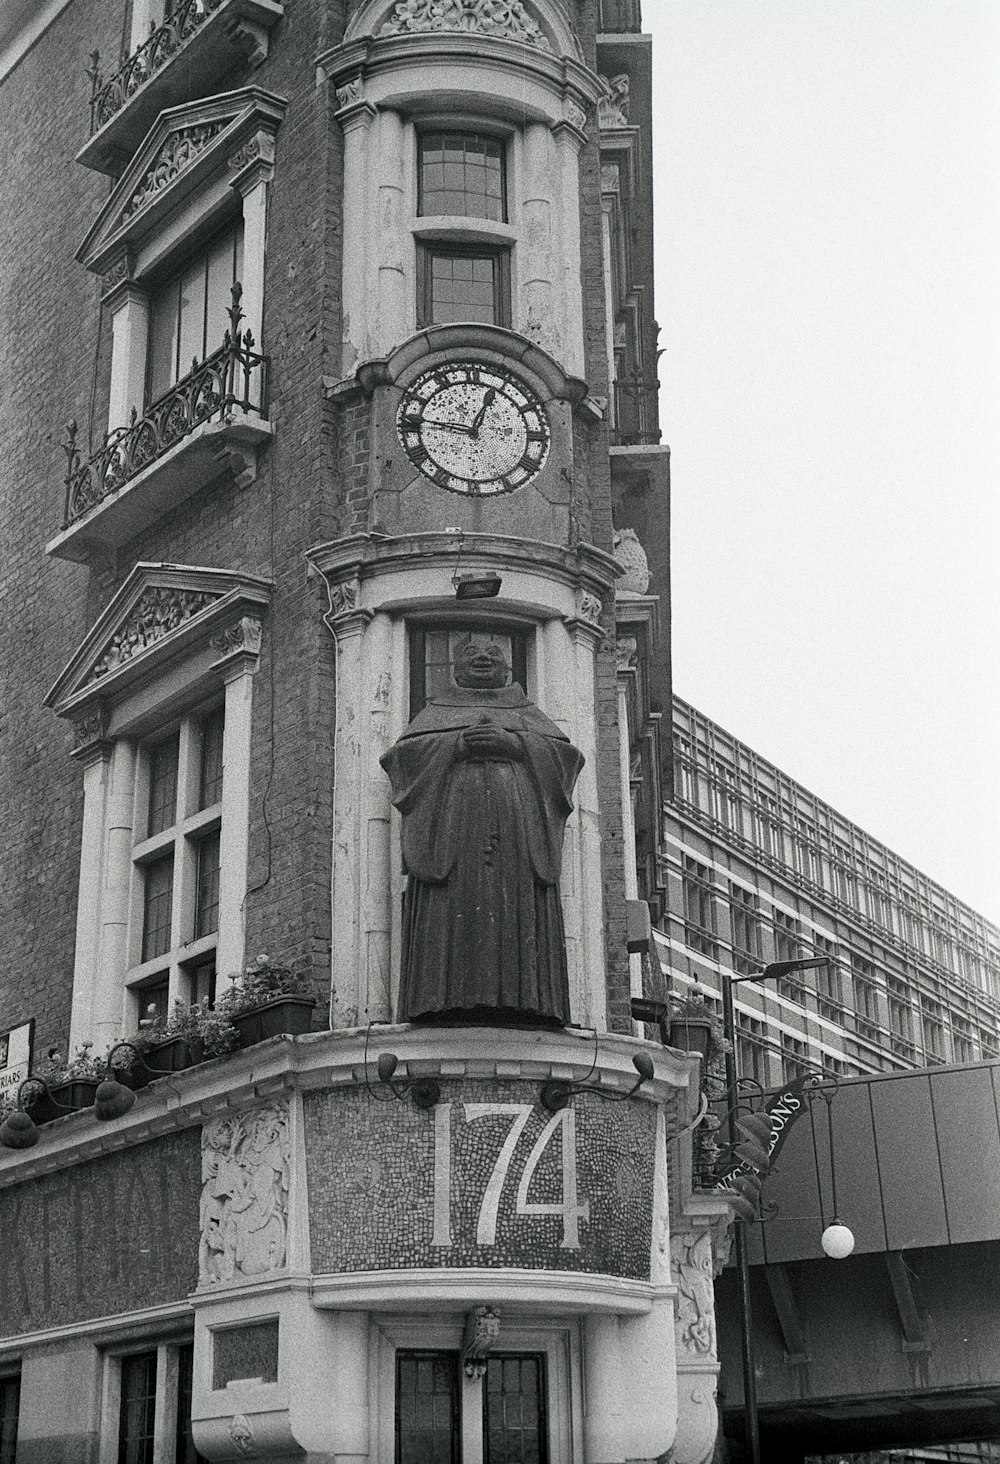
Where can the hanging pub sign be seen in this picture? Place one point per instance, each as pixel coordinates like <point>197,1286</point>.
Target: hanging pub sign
<point>15,1058</point>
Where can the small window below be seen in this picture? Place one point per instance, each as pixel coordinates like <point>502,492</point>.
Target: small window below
<point>137,1416</point>
<point>462,173</point>
<point>432,657</point>
<point>467,283</point>
<point>427,1408</point>
<point>10,1402</point>
<point>514,1416</point>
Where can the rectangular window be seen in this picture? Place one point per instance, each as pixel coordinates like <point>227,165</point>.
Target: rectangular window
<point>138,1409</point>
<point>158,896</point>
<point>865,996</point>
<point>206,910</point>
<point>154,999</point>
<point>459,283</point>
<point>186,1453</point>
<point>10,1402</point>
<point>829,982</point>
<point>188,313</point>
<point>432,657</point>
<point>163,760</point>
<point>462,173</point>
<point>963,1040</point>
<point>427,1418</point>
<point>514,1420</point>
<point>203,983</point>
<point>751,1049</point>
<point>699,908</point>
<point>745,921</point>
<point>212,729</point>
<point>793,1058</point>
<point>933,1022</point>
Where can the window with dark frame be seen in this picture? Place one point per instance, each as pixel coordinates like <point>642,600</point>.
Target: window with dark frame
<point>212,729</point>
<point>515,1425</point>
<point>188,312</point>
<point>699,908</point>
<point>158,895</point>
<point>206,908</point>
<point>746,930</point>
<point>10,1403</point>
<point>163,762</point>
<point>427,1408</point>
<point>432,657</point>
<point>460,282</point>
<point>462,173</point>
<point>137,1413</point>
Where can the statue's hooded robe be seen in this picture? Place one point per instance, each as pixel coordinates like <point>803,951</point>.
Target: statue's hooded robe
<point>482,845</point>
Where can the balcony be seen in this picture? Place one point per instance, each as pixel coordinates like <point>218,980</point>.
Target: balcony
<point>197,45</point>
<point>636,417</point>
<point>211,421</point>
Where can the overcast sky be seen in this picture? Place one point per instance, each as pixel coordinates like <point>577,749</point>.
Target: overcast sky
<point>827,181</point>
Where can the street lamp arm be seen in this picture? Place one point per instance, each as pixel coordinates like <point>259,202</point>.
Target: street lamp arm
<point>782,968</point>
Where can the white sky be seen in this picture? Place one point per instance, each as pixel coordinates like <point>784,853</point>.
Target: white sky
<point>827,181</point>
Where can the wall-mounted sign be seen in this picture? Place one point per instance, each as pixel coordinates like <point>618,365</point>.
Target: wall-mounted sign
<point>15,1058</point>
<point>489,1177</point>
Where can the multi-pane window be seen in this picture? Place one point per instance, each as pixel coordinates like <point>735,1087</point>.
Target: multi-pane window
<point>684,779</point>
<point>768,825</point>
<point>793,1058</point>
<point>514,1422</point>
<point>829,982</point>
<point>745,921</point>
<point>963,1040</point>
<point>459,282</point>
<point>751,1049</point>
<point>462,173</point>
<point>900,1002</point>
<point>143,1437</point>
<point>933,1023</point>
<point>806,853</point>
<point>699,907</point>
<point>10,1402</point>
<point>427,1408</point>
<point>187,316</point>
<point>865,995</point>
<point>137,1414</point>
<point>176,861</point>
<point>787,947</point>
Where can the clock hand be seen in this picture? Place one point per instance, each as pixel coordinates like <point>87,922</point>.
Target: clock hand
<point>439,422</point>
<point>478,419</point>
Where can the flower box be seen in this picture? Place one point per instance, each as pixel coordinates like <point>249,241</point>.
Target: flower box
<point>61,1098</point>
<point>289,1016</point>
<point>175,1054</point>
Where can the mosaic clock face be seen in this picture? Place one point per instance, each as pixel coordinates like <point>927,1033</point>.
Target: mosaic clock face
<point>473,428</point>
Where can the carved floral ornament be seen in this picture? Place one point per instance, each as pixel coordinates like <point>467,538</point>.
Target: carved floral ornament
<point>160,610</point>
<point>88,727</point>
<point>508,19</point>
<point>692,1265</point>
<point>177,153</point>
<point>245,1164</point>
<point>245,635</point>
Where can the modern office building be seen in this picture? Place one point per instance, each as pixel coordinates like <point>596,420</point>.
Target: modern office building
<point>347,305</point>
<point>759,869</point>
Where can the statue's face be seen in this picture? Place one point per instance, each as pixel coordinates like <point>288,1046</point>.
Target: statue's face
<point>482,665</point>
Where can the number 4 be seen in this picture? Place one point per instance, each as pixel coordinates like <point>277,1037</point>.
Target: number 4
<point>572,1212</point>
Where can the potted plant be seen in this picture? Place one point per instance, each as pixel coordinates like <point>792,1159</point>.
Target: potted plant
<point>268,1000</point>
<point>191,1034</point>
<point>64,1087</point>
<point>694,1027</point>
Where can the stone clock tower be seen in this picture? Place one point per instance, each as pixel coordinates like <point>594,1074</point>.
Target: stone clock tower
<point>361,636</point>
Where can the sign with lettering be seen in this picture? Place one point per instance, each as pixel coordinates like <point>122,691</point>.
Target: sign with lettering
<point>15,1059</point>
<point>488,1177</point>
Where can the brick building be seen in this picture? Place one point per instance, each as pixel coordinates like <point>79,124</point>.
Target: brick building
<point>245,245</point>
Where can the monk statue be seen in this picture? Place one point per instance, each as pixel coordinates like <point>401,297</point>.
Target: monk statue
<point>483,781</point>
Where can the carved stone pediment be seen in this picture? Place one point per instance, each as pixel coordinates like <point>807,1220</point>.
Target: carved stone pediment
<point>544,25</point>
<point>160,613</point>
<point>187,148</point>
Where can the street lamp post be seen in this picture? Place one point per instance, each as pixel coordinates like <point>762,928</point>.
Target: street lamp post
<point>776,968</point>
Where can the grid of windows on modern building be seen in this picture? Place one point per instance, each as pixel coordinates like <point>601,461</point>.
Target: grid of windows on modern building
<point>758,869</point>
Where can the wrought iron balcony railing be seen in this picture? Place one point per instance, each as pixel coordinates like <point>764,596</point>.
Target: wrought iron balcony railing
<point>232,380</point>
<point>635,422</point>
<point>108,96</point>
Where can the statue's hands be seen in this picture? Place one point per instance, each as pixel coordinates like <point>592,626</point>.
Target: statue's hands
<point>485,740</point>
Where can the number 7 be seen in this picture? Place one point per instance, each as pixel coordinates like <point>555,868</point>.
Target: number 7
<point>486,1232</point>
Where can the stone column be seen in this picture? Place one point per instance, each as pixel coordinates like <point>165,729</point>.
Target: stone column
<point>388,313</point>
<point>240,647</point>
<point>95,755</point>
<point>536,314</point>
<point>129,308</point>
<point>356,118</point>
<point>568,289</point>
<point>252,169</point>
<point>113,954</point>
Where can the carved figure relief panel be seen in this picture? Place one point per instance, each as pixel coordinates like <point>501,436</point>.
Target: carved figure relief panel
<point>245,1168</point>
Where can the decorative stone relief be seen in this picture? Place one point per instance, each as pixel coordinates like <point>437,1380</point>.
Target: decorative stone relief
<point>160,610</point>
<point>177,153</point>
<point>115,275</point>
<point>575,115</point>
<point>610,178</point>
<point>240,1433</point>
<point>626,652</point>
<point>632,557</point>
<point>88,727</point>
<point>245,1161</point>
<point>260,147</point>
<point>506,18</point>
<point>352,91</point>
<point>344,597</point>
<point>691,1263</point>
<point>589,607</point>
<point>613,110</point>
<point>245,635</point>
<point>482,1333</point>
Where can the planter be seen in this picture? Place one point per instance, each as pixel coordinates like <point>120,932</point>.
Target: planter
<point>288,1016</point>
<point>70,1096</point>
<point>692,1034</point>
<point>174,1055</point>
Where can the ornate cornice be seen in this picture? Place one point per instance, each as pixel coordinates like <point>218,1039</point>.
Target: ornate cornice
<point>506,19</point>
<point>159,611</point>
<point>177,153</point>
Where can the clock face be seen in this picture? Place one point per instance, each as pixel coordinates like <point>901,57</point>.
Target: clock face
<point>473,428</point>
